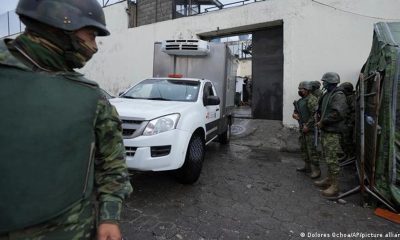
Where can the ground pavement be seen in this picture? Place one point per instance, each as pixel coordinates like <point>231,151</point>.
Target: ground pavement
<point>248,189</point>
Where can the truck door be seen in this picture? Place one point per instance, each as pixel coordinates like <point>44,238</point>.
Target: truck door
<point>212,113</point>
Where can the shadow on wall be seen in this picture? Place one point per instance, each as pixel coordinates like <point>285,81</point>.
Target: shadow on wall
<point>270,102</point>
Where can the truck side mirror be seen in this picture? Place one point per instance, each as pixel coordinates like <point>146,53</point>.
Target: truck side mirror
<point>212,100</point>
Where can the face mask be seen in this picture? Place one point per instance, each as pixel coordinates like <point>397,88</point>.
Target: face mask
<point>329,87</point>
<point>81,53</point>
<point>325,85</point>
<point>86,51</point>
<point>301,93</point>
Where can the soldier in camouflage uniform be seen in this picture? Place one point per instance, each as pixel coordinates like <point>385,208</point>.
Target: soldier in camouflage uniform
<point>331,114</point>
<point>316,89</point>
<point>348,135</point>
<point>62,157</point>
<point>303,113</point>
<point>317,92</point>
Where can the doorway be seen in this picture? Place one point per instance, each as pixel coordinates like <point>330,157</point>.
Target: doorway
<point>267,74</point>
<point>259,82</point>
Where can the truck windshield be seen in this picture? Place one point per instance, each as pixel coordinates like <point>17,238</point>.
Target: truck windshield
<point>165,90</point>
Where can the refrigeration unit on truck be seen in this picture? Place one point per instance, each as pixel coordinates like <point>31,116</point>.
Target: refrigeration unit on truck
<point>169,118</point>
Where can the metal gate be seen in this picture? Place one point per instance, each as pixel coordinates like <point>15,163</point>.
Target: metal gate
<point>267,73</point>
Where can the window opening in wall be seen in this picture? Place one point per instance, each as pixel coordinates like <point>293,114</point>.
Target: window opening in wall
<point>240,45</point>
<point>185,8</point>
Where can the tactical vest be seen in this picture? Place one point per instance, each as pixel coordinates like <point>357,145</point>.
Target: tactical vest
<point>326,100</point>
<point>326,109</point>
<point>46,142</point>
<point>303,110</point>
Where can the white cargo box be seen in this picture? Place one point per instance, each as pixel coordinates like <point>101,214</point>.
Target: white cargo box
<point>219,66</point>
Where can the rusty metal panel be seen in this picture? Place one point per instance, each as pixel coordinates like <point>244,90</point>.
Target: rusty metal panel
<point>267,74</point>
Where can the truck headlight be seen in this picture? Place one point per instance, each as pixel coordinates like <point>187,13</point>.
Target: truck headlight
<point>161,124</point>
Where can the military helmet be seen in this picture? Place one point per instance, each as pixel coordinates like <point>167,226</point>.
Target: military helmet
<point>347,87</point>
<point>68,15</point>
<point>331,77</point>
<point>316,84</point>
<point>306,85</point>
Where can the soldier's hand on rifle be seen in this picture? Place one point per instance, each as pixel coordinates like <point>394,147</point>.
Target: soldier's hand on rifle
<point>296,116</point>
<point>305,129</point>
<point>319,124</point>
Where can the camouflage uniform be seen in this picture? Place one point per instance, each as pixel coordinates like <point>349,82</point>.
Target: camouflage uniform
<point>110,176</point>
<point>309,152</point>
<point>316,91</point>
<point>304,113</point>
<point>332,108</point>
<point>332,119</point>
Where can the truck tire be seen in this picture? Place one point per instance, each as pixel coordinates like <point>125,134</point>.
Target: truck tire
<point>191,169</point>
<point>225,137</point>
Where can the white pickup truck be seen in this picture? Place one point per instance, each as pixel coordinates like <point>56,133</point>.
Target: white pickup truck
<point>167,121</point>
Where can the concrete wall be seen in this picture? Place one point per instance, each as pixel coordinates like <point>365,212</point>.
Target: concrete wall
<point>317,39</point>
<point>116,17</point>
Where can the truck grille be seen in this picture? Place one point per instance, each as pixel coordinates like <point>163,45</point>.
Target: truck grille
<point>131,121</point>
<point>130,151</point>
<point>132,128</point>
<point>128,132</point>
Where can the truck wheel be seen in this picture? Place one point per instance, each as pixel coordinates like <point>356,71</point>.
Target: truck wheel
<point>191,169</point>
<point>225,137</point>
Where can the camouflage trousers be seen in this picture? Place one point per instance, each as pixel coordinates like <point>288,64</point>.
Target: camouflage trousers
<point>330,148</point>
<point>76,224</point>
<point>308,150</point>
<point>347,142</point>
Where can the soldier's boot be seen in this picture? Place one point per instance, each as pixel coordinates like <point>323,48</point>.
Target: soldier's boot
<point>324,183</point>
<point>305,169</point>
<point>315,172</point>
<point>333,190</point>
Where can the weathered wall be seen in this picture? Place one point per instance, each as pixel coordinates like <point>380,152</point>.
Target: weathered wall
<point>116,17</point>
<point>151,11</point>
<point>317,38</point>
